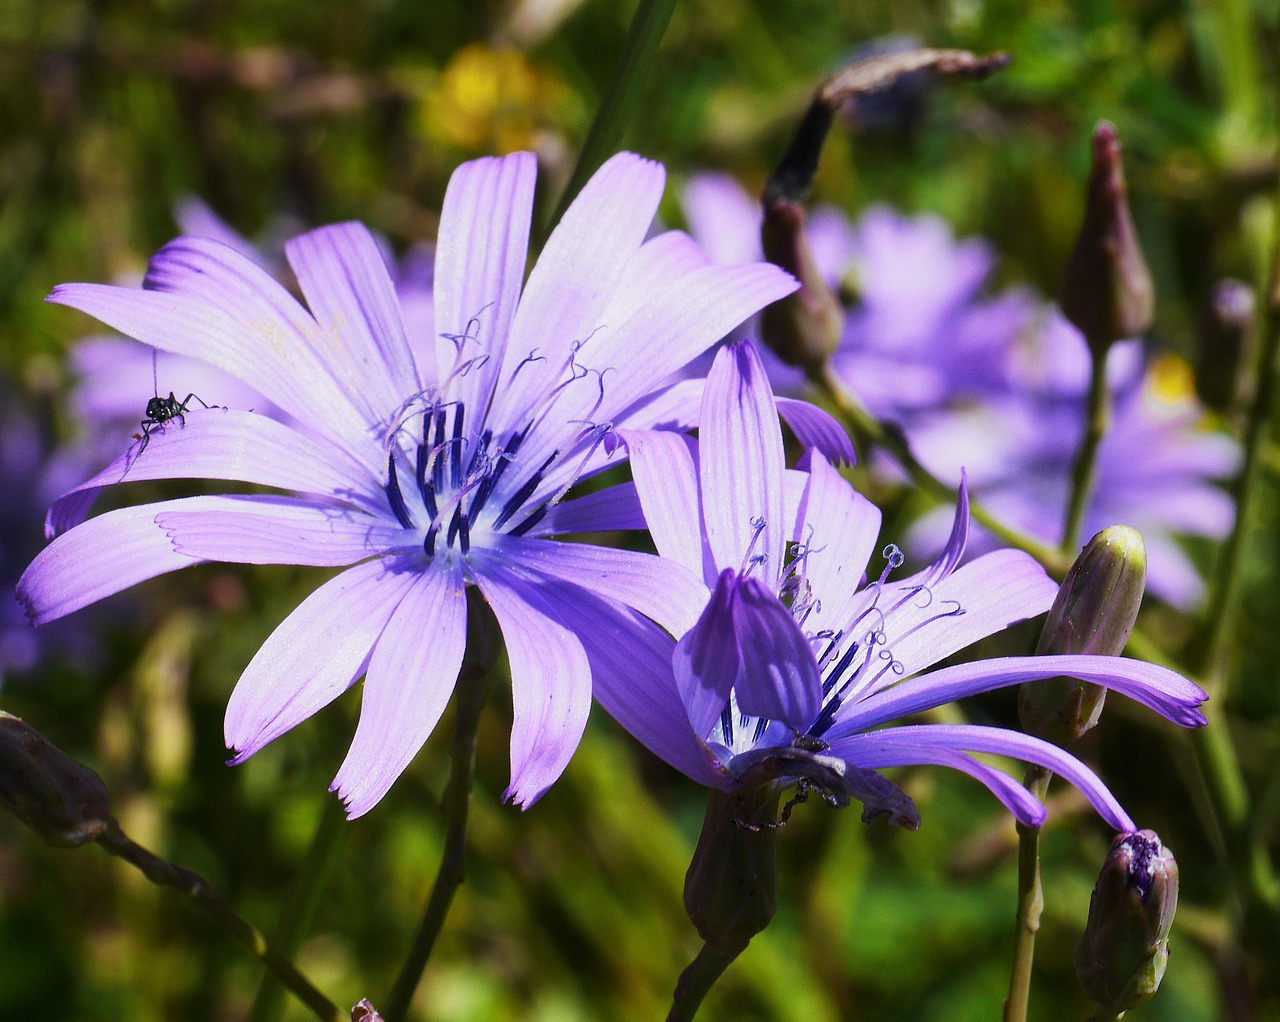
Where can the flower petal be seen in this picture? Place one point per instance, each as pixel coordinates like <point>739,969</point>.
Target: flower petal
<point>411,674</point>
<point>869,752</point>
<point>817,431</point>
<point>1002,742</point>
<point>917,625</point>
<point>614,509</point>
<point>837,534</point>
<point>740,444</point>
<point>225,444</point>
<point>573,281</point>
<point>209,302</point>
<point>1163,690</point>
<point>669,594</point>
<point>361,339</point>
<point>625,365</point>
<point>315,654</point>
<point>777,675</point>
<point>482,246</point>
<point>550,680</point>
<point>707,659</point>
<point>659,263</point>
<point>105,555</point>
<point>665,468</point>
<point>261,529</point>
<point>632,678</point>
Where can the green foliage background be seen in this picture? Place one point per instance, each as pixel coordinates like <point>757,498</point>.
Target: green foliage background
<point>111,111</point>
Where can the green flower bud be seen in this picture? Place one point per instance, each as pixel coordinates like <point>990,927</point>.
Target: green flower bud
<point>1107,292</point>
<point>63,801</point>
<point>804,328</point>
<point>731,889</point>
<point>1123,952</point>
<point>1093,613</point>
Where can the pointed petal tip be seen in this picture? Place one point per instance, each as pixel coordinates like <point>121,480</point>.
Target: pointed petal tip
<point>355,803</point>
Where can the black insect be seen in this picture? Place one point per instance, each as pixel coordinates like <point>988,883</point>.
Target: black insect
<point>163,410</point>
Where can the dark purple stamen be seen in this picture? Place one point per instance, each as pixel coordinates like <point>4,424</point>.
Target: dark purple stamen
<point>394,496</point>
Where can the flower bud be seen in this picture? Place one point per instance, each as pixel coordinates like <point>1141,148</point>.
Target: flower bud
<point>1122,954</point>
<point>804,328</point>
<point>731,889</point>
<point>1093,613</point>
<point>1107,294</point>
<point>62,800</point>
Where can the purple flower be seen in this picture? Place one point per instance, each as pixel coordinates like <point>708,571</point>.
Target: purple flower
<point>32,475</point>
<point>1155,469</point>
<point>795,660</point>
<point>419,463</point>
<point>920,333</point>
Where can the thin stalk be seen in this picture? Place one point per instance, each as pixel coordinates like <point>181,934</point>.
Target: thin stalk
<point>1085,469</point>
<point>207,900</point>
<point>868,429</point>
<point>1030,905</point>
<point>304,901</point>
<point>468,701</point>
<point>1254,869</point>
<point>621,97</point>
<point>700,977</point>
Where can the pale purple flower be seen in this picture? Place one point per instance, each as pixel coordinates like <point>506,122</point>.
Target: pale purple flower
<point>920,332</point>
<point>795,660</point>
<point>1155,471</point>
<point>419,464</point>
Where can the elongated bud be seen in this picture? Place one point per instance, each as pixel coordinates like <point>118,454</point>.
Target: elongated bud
<point>1107,293</point>
<point>1093,613</point>
<point>1123,952</point>
<point>62,800</point>
<point>804,328</point>
<point>731,889</point>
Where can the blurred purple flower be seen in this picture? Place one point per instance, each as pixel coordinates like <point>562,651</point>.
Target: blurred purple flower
<point>920,332</point>
<point>33,475</point>
<point>419,463</point>
<point>1156,464</point>
<point>795,660</point>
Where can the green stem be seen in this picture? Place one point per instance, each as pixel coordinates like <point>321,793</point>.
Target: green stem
<point>1030,905</point>
<point>304,901</point>
<point>699,978</point>
<point>868,429</point>
<point>468,701</point>
<point>206,899</point>
<point>1084,471</point>
<point>1254,870</point>
<point>621,97</point>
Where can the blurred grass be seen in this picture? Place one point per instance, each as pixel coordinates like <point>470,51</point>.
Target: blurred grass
<point>113,111</point>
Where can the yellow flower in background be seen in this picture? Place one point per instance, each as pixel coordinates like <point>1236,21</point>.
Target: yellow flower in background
<point>493,99</point>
